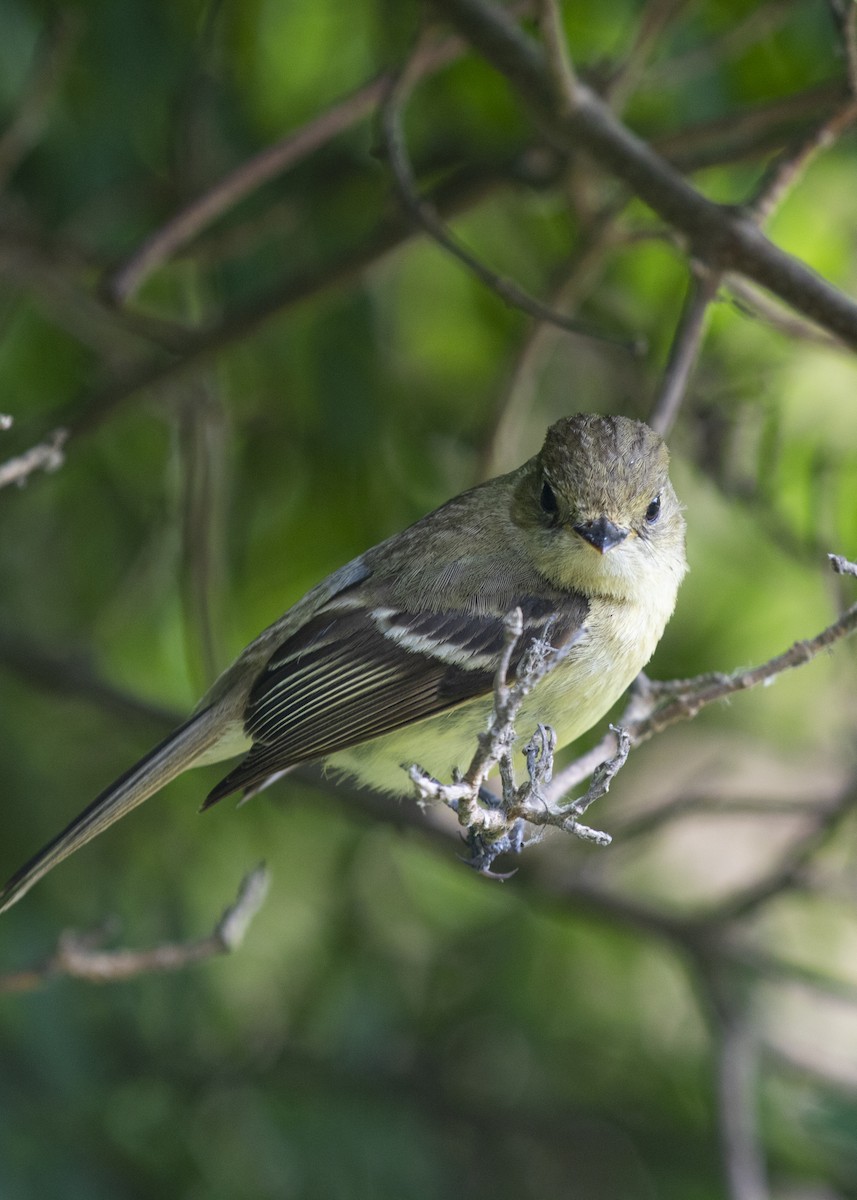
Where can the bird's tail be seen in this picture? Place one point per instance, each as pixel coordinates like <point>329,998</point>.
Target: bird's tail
<point>180,750</point>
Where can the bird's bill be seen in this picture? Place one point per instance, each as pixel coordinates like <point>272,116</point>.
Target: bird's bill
<point>602,534</point>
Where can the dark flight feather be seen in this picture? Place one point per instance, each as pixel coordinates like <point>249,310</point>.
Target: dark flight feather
<point>351,674</point>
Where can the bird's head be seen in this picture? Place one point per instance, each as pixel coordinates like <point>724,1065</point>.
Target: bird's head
<point>602,513</point>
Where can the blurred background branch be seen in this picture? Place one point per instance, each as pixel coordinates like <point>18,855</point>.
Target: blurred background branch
<point>80,956</point>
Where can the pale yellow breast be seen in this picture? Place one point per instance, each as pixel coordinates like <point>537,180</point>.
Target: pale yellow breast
<point>618,641</point>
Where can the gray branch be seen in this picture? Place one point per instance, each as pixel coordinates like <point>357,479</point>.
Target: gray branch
<point>79,956</point>
<point>496,825</point>
<point>724,237</point>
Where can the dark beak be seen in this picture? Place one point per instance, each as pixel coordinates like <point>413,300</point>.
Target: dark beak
<point>602,534</point>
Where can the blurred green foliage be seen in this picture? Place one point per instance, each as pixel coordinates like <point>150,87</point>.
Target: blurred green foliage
<point>395,1026</point>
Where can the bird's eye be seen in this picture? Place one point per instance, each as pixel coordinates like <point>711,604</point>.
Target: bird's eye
<point>548,500</point>
<point>653,511</point>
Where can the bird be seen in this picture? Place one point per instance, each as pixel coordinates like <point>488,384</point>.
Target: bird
<point>391,659</point>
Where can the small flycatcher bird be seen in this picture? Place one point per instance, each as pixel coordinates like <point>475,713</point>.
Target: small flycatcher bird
<point>391,659</point>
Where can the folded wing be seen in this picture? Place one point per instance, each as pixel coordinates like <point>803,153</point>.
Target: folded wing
<point>354,673</point>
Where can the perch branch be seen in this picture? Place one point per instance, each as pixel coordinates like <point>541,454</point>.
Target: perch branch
<point>654,706</point>
<point>842,566</point>
<point>496,826</point>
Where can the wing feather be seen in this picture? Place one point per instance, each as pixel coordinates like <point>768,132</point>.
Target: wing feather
<point>354,673</point>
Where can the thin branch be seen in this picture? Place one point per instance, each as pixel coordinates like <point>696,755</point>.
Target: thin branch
<point>58,280</point>
<point>685,349</point>
<point>774,969</point>
<point>737,1063</point>
<point>757,304</point>
<point>46,456</point>
<point>827,1075</point>
<point>845,18</point>
<point>755,130</point>
<point>78,956</point>
<point>274,160</point>
<point>652,820</point>
<point>493,826</point>
<point>653,23</point>
<point>789,166</point>
<point>89,411</point>
<point>509,419</point>
<point>722,237</point>
<point>760,24</point>
<point>849,37</point>
<point>789,871</point>
<point>427,218</point>
<point>602,777</point>
<point>653,706</point>
<point>842,566</point>
<point>495,743</point>
<point>778,181</point>
<point>558,56</point>
<point>691,696</point>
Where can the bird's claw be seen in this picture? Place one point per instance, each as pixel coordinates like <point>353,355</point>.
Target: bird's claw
<point>483,852</point>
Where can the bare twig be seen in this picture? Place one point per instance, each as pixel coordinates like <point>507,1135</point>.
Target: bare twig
<point>46,456</point>
<point>775,186</point>
<point>495,743</point>
<point>760,23</point>
<point>77,956</point>
<point>190,221</point>
<point>651,820</point>
<point>90,410</point>
<point>789,870</point>
<point>654,706</point>
<point>844,14</point>
<point>426,216</point>
<point>684,353</point>
<point>841,565</point>
<point>757,129</point>
<point>789,166</point>
<point>722,237</point>
<point>752,301</point>
<point>513,410</point>
<point>559,59</point>
<point>692,696</point>
<point>773,968</point>
<point>654,21</point>
<point>57,278</point>
<point>605,772</point>
<point>496,827</point>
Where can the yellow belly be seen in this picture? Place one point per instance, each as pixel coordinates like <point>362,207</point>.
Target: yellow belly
<point>617,643</point>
